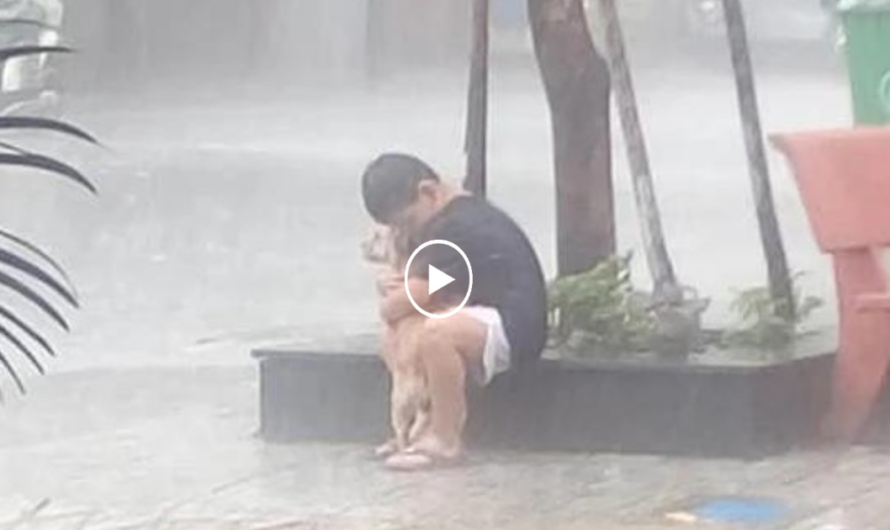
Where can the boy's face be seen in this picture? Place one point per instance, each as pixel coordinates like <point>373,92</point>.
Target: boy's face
<point>416,214</point>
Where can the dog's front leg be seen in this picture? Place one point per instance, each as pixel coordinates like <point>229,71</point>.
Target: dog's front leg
<point>420,424</point>
<point>402,409</point>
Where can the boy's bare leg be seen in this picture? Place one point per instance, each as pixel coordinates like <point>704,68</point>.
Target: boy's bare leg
<point>449,348</point>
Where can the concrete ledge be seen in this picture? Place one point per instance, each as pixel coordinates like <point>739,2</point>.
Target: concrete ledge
<point>723,411</point>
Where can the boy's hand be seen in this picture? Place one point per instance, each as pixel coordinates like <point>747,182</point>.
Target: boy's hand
<point>396,305</point>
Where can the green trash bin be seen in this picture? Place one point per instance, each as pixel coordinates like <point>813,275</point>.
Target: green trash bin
<point>867,28</point>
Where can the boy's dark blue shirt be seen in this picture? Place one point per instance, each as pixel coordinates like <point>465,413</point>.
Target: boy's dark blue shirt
<point>506,271</point>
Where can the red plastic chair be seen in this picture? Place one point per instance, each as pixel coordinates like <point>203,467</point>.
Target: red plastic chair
<point>844,180</point>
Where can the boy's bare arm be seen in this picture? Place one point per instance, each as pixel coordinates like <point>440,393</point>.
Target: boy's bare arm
<point>395,305</point>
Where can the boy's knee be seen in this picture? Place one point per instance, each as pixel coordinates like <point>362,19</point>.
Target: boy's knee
<point>464,334</point>
<point>435,331</point>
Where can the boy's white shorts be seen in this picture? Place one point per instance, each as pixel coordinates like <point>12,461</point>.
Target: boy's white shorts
<point>496,354</point>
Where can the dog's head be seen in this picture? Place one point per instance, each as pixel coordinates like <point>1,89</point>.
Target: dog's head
<point>387,246</point>
<point>380,248</point>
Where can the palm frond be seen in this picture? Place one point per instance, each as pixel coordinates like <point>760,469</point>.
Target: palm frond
<point>16,253</point>
<point>46,124</point>
<point>48,164</point>
<point>23,51</point>
<point>10,369</point>
<point>44,256</point>
<point>8,335</point>
<point>13,148</point>
<point>35,298</point>
<point>17,262</point>
<point>28,330</point>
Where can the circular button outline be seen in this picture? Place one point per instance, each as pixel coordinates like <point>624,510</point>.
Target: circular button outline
<point>469,288</point>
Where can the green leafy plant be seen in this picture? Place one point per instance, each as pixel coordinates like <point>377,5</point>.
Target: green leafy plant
<point>22,264</point>
<point>760,324</point>
<point>598,310</point>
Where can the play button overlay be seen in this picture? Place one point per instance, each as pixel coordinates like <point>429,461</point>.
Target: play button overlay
<point>438,279</point>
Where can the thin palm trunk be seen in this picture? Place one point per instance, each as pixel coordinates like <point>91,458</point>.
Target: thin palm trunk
<point>477,103</point>
<point>780,284</point>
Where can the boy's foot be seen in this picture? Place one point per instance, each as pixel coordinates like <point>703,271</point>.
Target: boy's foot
<point>426,453</point>
<point>413,459</point>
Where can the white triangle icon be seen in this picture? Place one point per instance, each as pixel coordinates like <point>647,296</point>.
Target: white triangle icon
<point>438,279</point>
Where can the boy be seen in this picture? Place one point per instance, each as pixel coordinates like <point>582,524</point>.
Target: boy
<point>503,324</point>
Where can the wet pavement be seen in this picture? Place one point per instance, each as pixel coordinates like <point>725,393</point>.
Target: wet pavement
<point>225,226</point>
<point>171,448</point>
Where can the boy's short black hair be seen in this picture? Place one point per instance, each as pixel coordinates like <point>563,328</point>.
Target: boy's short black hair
<point>390,183</point>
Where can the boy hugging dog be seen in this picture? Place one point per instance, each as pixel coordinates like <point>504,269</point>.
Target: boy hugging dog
<point>502,326</point>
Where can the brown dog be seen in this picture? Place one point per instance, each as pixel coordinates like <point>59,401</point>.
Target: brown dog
<point>409,398</point>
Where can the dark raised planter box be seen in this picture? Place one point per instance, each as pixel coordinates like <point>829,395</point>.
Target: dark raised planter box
<point>341,394</point>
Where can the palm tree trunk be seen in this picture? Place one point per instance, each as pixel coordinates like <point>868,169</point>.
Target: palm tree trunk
<point>577,83</point>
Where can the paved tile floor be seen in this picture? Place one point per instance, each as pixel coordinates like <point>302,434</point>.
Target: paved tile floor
<point>173,448</point>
